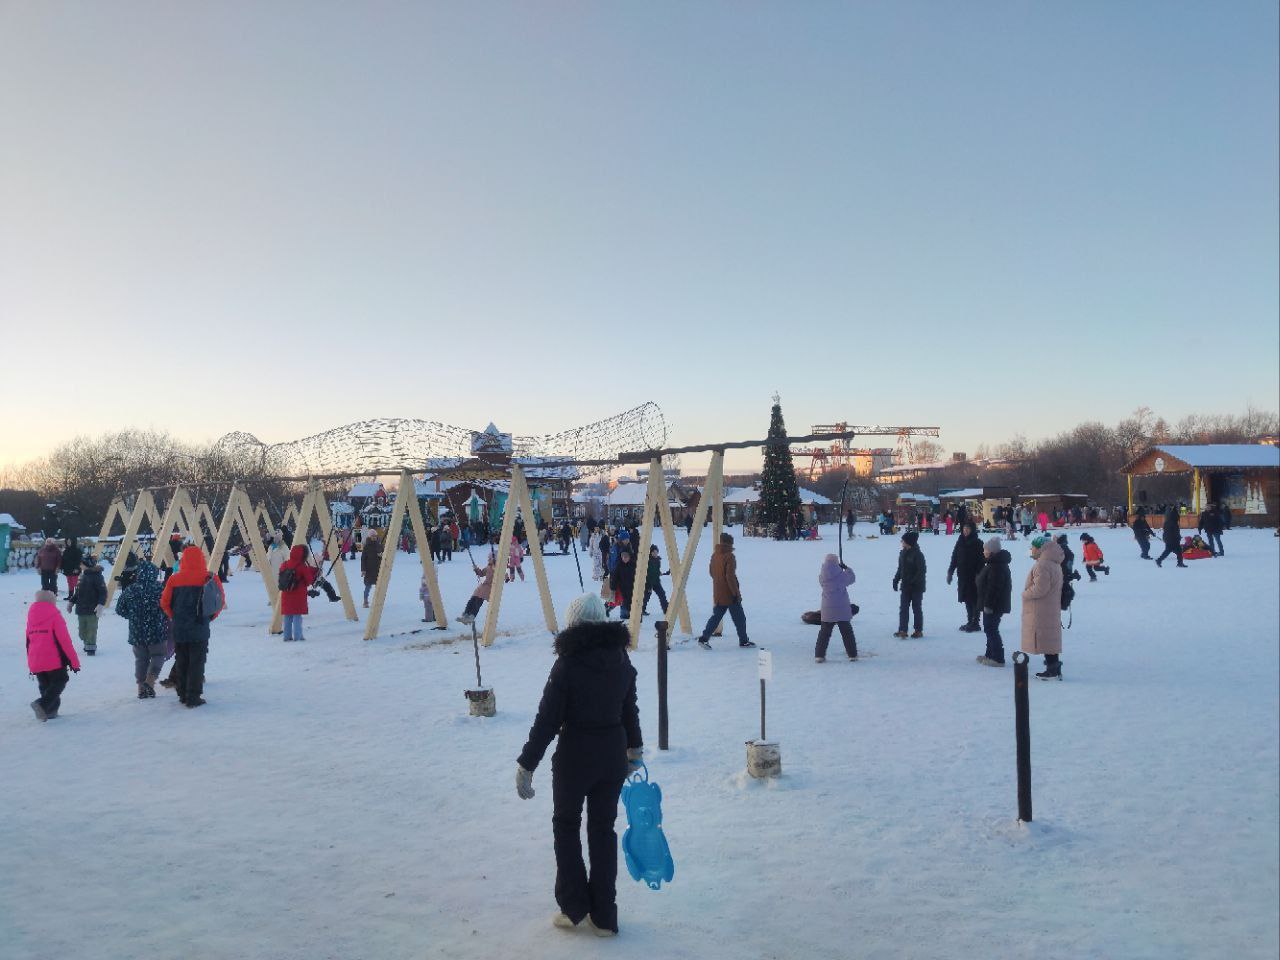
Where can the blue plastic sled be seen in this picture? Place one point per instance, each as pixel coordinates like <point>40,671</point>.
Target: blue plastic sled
<point>644,844</point>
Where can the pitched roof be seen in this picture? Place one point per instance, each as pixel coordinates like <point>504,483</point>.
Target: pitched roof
<point>1223,454</point>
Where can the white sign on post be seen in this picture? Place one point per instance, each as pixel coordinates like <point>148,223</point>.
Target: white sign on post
<point>764,662</point>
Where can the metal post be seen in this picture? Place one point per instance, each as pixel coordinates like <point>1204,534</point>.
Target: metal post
<point>762,736</point>
<point>662,685</point>
<point>1022,727</point>
<point>475,645</point>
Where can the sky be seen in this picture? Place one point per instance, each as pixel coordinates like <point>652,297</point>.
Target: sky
<point>279,217</point>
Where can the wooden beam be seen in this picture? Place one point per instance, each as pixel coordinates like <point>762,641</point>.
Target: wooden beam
<point>500,569</point>
<point>520,488</point>
<point>143,507</point>
<point>652,494</point>
<point>673,560</point>
<point>681,579</point>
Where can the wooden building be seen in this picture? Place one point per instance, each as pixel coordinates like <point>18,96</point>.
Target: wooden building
<point>1244,476</point>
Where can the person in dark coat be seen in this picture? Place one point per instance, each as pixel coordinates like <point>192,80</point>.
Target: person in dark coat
<point>653,582</point>
<point>370,564</point>
<point>1143,533</point>
<point>966,561</point>
<point>909,583</point>
<point>71,564</point>
<point>623,580</point>
<point>139,603</point>
<point>590,702</point>
<point>1172,537</point>
<point>1226,515</point>
<point>88,601</point>
<point>181,601</point>
<point>848,522</point>
<point>995,597</point>
<point>1210,524</point>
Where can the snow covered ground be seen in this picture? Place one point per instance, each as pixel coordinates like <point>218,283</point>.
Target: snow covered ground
<point>334,800</point>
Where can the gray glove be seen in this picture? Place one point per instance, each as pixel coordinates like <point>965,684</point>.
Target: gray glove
<point>524,783</point>
<point>635,756</point>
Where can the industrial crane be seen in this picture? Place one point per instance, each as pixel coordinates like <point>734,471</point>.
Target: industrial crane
<point>839,455</point>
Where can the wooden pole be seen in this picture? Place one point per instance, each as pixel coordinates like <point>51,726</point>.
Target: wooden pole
<point>144,506</point>
<point>673,555</point>
<point>717,528</point>
<point>680,582</point>
<point>500,567</point>
<point>403,495</point>
<point>325,520</point>
<point>655,488</point>
<point>518,482</point>
<point>662,685</point>
<point>424,552</point>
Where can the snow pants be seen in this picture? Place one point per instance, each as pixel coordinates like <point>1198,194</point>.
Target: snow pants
<point>473,606</point>
<point>147,662</point>
<point>188,670</point>
<point>662,597</point>
<point>52,683</point>
<point>846,634</point>
<point>590,768</point>
<point>73,580</point>
<point>912,600</point>
<point>87,628</point>
<point>995,644</point>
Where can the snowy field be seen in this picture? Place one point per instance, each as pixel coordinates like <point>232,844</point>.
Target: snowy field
<point>334,800</point>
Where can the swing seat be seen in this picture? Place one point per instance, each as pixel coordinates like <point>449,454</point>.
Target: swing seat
<point>644,845</point>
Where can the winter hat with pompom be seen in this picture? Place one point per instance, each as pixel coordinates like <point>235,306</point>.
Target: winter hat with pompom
<point>588,608</point>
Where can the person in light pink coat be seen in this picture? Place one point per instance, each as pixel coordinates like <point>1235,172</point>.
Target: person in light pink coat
<point>49,653</point>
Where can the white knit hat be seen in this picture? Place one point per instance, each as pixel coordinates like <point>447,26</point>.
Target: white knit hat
<point>586,608</point>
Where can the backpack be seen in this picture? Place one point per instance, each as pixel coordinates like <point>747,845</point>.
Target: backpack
<point>211,600</point>
<point>287,579</point>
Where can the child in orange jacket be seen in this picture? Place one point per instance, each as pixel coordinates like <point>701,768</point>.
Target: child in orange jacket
<point>1093,558</point>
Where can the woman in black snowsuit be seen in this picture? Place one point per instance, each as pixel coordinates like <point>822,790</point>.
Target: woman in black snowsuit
<point>590,702</point>
<point>966,561</point>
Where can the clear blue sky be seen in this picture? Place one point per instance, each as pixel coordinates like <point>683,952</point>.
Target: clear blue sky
<point>280,217</point>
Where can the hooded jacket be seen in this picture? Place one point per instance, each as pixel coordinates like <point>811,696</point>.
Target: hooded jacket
<point>72,559</point>
<point>911,570</point>
<point>1172,530</point>
<point>48,557</point>
<point>835,581</point>
<point>1141,529</point>
<point>181,598</point>
<point>966,561</point>
<point>139,603</point>
<point>371,561</point>
<point>995,583</point>
<point>294,602</point>
<point>1092,553</point>
<point>623,578</point>
<point>49,645</point>
<point>725,590</point>
<point>91,590</point>
<point>589,701</point>
<point>1042,602</point>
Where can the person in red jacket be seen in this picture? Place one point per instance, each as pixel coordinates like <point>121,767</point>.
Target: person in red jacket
<point>49,653</point>
<point>301,568</point>
<point>1093,558</point>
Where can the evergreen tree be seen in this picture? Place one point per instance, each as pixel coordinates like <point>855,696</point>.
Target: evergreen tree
<point>779,496</point>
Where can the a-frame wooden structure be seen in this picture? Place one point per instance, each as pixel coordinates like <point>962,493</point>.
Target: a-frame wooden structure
<point>315,504</point>
<point>238,512</point>
<point>655,504</point>
<point>712,500</point>
<point>144,508</point>
<point>407,494</point>
<point>517,499</point>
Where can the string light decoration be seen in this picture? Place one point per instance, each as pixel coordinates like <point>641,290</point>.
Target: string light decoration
<point>387,444</point>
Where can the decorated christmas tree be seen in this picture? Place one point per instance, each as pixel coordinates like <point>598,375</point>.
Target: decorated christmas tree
<point>779,497</point>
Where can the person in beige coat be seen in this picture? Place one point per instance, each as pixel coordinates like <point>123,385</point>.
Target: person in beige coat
<point>1042,605</point>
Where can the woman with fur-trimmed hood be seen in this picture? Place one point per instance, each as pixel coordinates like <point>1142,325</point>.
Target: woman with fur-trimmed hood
<point>590,702</point>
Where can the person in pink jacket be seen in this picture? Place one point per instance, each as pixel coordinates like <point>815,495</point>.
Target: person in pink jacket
<point>49,653</point>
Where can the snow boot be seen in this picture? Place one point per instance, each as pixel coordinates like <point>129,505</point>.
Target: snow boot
<point>466,619</point>
<point>900,634</point>
<point>167,683</point>
<point>1106,570</point>
<point>142,691</point>
<point>602,931</point>
<point>197,702</point>
<point>917,634</point>
<point>39,711</point>
<point>704,643</point>
<point>1051,671</point>
<point>90,651</point>
<point>988,662</point>
<point>562,921</point>
<point>819,659</point>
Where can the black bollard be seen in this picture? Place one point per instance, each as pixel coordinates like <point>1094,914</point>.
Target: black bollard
<point>662,684</point>
<point>1022,727</point>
